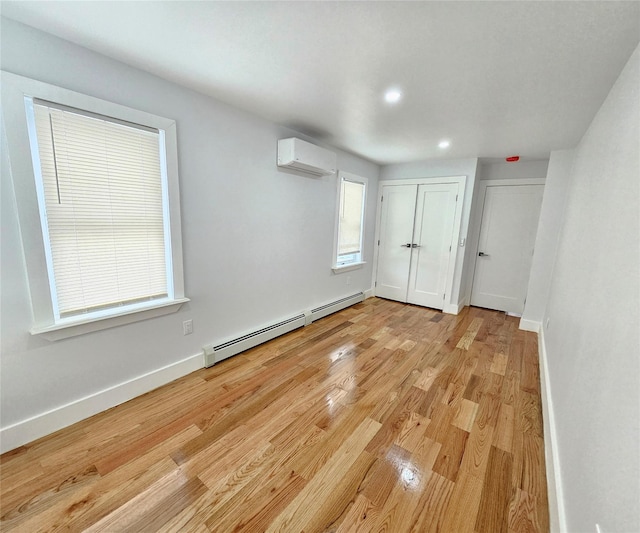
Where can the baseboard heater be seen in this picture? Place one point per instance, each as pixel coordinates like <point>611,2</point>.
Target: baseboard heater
<point>324,310</point>
<point>215,354</point>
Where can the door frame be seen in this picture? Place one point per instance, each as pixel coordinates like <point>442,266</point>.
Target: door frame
<point>478,212</point>
<point>448,306</point>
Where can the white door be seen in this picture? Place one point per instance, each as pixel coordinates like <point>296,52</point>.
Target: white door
<point>507,237</point>
<point>432,241</point>
<point>397,214</point>
<point>416,233</point>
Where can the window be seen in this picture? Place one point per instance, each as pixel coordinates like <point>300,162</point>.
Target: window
<point>105,186</point>
<point>350,221</point>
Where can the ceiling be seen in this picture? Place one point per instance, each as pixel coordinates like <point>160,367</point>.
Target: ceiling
<point>494,78</point>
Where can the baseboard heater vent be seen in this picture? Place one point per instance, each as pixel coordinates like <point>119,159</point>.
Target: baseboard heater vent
<point>338,305</point>
<point>215,354</point>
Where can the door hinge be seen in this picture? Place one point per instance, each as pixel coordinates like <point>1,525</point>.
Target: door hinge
<point>375,283</point>
<point>456,197</point>
<point>382,198</point>
<point>443,296</point>
<point>378,242</point>
<point>449,248</point>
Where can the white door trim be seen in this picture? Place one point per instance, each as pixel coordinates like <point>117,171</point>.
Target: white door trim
<point>462,187</point>
<point>479,211</point>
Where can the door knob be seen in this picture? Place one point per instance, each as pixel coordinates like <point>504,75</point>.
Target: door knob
<point>482,254</point>
<point>414,245</point>
<point>408,245</point>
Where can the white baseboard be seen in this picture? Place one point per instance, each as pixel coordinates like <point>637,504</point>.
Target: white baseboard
<point>452,309</point>
<point>557,521</point>
<point>530,325</point>
<point>43,424</point>
<point>368,293</point>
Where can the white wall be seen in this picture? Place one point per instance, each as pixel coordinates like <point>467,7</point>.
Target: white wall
<point>257,241</point>
<point>551,217</point>
<point>434,168</point>
<point>494,170</point>
<point>592,341</point>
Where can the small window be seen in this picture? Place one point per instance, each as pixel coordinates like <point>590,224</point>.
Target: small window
<point>102,180</point>
<point>350,223</point>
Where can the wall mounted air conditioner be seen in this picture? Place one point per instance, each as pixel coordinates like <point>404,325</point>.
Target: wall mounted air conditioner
<point>300,155</point>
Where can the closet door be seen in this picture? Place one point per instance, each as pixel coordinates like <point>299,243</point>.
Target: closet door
<point>432,244</point>
<point>397,215</point>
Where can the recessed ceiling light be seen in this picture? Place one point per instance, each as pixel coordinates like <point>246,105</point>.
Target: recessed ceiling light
<point>393,96</point>
<point>443,144</point>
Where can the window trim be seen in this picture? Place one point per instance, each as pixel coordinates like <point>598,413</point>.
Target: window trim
<point>346,267</point>
<point>15,129</point>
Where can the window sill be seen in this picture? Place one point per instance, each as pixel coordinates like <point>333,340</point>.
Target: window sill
<point>346,268</point>
<point>80,327</point>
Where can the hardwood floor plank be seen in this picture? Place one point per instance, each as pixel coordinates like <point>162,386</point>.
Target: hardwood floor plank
<point>465,415</point>
<point>125,516</point>
<point>360,517</point>
<point>246,505</point>
<point>488,410</point>
<point>460,514</point>
<point>503,435</point>
<point>411,434</point>
<point>221,490</point>
<point>523,516</point>
<point>472,392</point>
<point>152,520</point>
<point>341,496</point>
<point>28,500</point>
<point>234,418</point>
<point>476,455</point>
<point>114,489</point>
<point>396,421</point>
<point>320,489</point>
<point>493,512</point>
<point>499,364</point>
<point>384,474</point>
<point>430,510</point>
<point>382,417</point>
<point>469,335</point>
<point>412,477</point>
<point>448,462</point>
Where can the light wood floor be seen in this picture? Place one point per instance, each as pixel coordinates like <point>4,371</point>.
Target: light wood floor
<point>383,417</point>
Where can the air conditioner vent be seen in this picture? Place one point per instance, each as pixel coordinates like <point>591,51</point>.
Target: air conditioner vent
<point>300,155</point>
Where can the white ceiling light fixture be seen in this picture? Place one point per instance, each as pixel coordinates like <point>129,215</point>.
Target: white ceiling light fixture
<point>444,144</point>
<point>393,96</point>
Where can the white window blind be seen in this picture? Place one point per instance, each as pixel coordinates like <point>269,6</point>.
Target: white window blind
<point>103,196</point>
<point>350,222</point>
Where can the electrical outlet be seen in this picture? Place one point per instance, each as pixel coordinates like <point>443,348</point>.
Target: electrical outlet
<point>187,327</point>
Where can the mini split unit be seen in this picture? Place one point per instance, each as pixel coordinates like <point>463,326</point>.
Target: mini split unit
<point>296,154</point>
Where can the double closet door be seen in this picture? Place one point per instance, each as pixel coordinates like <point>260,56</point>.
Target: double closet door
<point>416,237</point>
